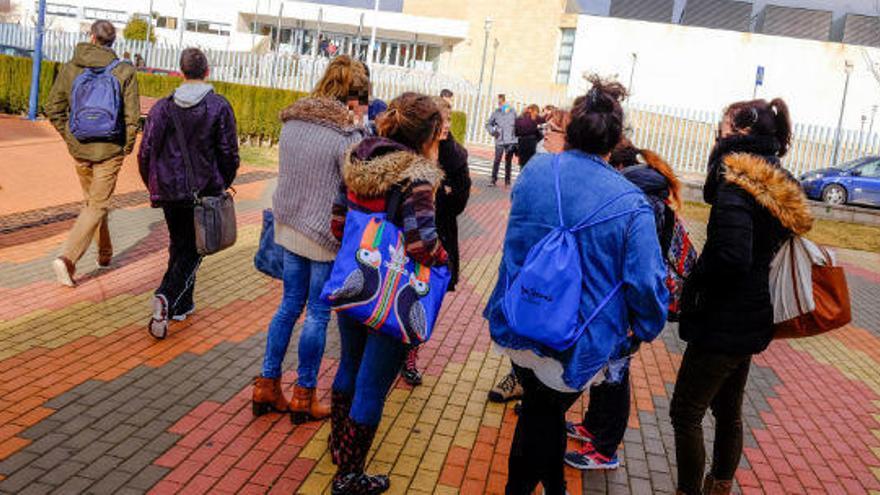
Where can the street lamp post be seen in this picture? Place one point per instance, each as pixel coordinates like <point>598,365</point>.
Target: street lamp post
<point>182,25</point>
<point>34,100</point>
<point>632,71</point>
<point>254,26</point>
<point>494,59</point>
<point>487,28</point>
<point>848,68</point>
<point>871,125</point>
<point>373,32</point>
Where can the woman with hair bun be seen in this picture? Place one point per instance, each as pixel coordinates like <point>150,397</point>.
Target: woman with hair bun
<point>726,310</point>
<point>623,281</point>
<point>400,163</point>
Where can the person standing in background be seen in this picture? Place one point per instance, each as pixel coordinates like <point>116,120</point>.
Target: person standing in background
<point>528,134</point>
<point>502,126</point>
<point>450,202</point>
<point>98,143</point>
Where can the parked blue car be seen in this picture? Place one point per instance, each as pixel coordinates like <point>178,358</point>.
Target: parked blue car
<point>853,182</point>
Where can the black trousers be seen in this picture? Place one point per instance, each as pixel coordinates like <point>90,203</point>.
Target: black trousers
<point>707,379</point>
<point>179,281</point>
<point>539,441</point>
<point>608,414</point>
<point>527,148</point>
<point>506,151</point>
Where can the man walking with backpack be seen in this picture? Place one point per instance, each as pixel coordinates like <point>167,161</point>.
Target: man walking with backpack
<point>94,105</point>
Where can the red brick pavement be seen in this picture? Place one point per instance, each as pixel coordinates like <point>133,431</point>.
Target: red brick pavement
<point>89,403</point>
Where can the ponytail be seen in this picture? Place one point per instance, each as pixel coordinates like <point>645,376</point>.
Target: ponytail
<point>783,124</point>
<point>654,161</point>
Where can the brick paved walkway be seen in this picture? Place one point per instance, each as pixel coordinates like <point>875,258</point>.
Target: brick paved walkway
<point>90,404</point>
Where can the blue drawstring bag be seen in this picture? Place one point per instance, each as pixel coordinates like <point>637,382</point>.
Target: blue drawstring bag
<point>270,256</point>
<point>543,300</point>
<point>373,281</point>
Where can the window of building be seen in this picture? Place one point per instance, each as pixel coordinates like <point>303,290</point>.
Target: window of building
<point>566,50</point>
<point>105,15</point>
<point>59,9</point>
<point>166,22</point>
<point>207,27</point>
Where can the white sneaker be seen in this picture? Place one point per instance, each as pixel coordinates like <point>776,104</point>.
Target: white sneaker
<point>63,274</point>
<point>183,316</point>
<point>158,326</point>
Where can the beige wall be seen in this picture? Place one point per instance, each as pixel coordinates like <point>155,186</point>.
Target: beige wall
<point>528,33</point>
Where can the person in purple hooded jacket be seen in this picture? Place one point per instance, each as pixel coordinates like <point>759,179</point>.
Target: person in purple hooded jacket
<point>209,129</point>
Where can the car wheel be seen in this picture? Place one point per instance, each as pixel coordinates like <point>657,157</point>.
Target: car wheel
<point>834,195</point>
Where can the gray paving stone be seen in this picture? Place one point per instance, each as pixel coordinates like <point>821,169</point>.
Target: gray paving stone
<point>53,458</point>
<point>138,461</point>
<point>74,485</point>
<point>37,488</point>
<point>83,439</point>
<point>17,482</point>
<point>16,462</point>
<point>148,477</point>
<point>110,421</point>
<point>44,427</point>
<point>128,447</point>
<point>46,443</point>
<point>62,472</point>
<point>100,467</point>
<point>92,452</point>
<point>110,484</point>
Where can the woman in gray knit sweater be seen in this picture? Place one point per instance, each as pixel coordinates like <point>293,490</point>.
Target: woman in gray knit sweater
<point>317,132</point>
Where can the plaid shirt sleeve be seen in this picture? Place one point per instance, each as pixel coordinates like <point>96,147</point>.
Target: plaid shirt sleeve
<point>419,228</point>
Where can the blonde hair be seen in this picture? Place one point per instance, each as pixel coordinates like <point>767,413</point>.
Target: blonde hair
<point>344,79</point>
<point>444,106</point>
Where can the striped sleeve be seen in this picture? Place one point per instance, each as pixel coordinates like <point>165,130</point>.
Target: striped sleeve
<point>420,231</point>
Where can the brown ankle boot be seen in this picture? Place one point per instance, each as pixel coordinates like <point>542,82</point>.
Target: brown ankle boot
<point>268,396</point>
<point>305,406</point>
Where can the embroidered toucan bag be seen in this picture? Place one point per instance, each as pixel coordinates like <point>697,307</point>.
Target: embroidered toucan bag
<point>374,282</point>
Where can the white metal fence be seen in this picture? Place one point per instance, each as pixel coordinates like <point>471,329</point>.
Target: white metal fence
<point>683,137</point>
<point>287,71</point>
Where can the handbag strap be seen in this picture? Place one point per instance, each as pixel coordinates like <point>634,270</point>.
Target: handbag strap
<point>184,148</point>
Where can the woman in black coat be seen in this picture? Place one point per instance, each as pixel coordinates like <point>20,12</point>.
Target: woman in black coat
<point>450,202</point>
<point>528,133</point>
<point>727,315</point>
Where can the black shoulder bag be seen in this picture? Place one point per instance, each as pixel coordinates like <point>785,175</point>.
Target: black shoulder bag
<point>214,216</point>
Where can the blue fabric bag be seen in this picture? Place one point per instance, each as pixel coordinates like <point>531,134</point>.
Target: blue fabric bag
<point>543,300</point>
<point>270,256</point>
<point>96,105</point>
<point>374,282</point>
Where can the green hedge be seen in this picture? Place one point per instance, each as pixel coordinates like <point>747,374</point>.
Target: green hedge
<point>15,83</point>
<point>459,126</point>
<point>256,108</point>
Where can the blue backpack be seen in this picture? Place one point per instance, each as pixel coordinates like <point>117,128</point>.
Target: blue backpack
<point>543,301</point>
<point>96,105</point>
<point>373,281</point>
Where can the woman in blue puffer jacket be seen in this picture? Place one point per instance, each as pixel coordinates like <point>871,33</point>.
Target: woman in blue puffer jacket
<point>622,251</point>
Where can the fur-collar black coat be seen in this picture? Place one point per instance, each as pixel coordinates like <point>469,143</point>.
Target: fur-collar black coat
<point>452,198</point>
<point>756,206</point>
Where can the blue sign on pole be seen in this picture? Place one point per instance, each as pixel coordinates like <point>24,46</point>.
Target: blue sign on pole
<point>759,76</point>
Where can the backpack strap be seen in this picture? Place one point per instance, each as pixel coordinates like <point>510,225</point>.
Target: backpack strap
<point>174,111</point>
<point>556,161</point>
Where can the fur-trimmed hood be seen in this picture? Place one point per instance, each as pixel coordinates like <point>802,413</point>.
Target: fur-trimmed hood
<point>772,188</point>
<point>321,111</point>
<point>375,165</point>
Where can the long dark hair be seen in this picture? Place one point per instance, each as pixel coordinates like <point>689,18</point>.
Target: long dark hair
<point>597,118</point>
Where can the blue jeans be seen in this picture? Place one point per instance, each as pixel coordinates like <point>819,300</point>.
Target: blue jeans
<point>368,365</point>
<point>303,281</point>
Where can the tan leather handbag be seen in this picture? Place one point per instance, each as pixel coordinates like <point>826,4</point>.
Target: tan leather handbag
<point>809,291</point>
